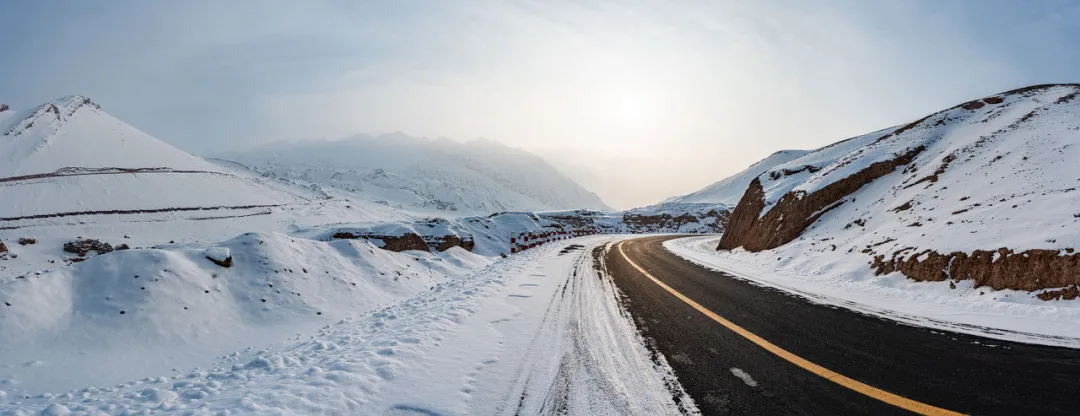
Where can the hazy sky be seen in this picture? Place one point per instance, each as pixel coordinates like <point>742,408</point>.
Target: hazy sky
<point>637,101</point>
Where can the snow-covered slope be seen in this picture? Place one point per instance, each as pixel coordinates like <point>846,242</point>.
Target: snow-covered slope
<point>437,176</point>
<point>69,170</point>
<point>727,191</point>
<point>69,157</point>
<point>981,194</point>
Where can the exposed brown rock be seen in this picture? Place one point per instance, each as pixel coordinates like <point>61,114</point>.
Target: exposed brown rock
<point>972,105</point>
<point>1023,119</point>
<point>796,210</point>
<point>1066,98</point>
<point>904,207</point>
<point>993,100</point>
<point>227,262</point>
<point>27,241</point>
<point>667,222</point>
<point>788,172</point>
<point>408,241</point>
<point>86,245</point>
<point>1067,293</point>
<point>941,169</point>
<point>1029,270</point>
<point>3,248</point>
<point>454,241</point>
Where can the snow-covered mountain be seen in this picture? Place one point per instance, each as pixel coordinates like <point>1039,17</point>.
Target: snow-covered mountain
<point>727,191</point>
<point>68,157</point>
<point>981,194</point>
<point>439,176</point>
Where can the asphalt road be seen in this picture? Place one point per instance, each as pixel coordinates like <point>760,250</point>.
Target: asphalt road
<point>957,372</point>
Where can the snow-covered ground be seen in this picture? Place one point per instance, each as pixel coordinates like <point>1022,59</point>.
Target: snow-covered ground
<point>538,332</point>
<point>846,281</point>
<point>135,277</point>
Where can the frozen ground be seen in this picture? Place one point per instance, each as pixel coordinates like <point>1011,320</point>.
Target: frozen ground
<point>536,333</point>
<point>847,281</point>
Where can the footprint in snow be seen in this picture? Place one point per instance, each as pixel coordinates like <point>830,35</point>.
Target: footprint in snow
<point>405,409</point>
<point>386,352</point>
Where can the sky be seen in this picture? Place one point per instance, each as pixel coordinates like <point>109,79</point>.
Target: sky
<point>636,100</point>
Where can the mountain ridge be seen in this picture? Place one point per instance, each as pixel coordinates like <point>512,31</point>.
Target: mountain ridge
<point>474,177</point>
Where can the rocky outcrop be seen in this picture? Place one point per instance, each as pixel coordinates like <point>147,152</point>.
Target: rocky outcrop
<point>226,262</point>
<point>411,241</point>
<point>3,248</point>
<point>23,241</point>
<point>796,210</point>
<point>667,222</point>
<point>1068,293</point>
<point>999,269</point>
<point>84,246</point>
<point>452,241</point>
<point>220,256</point>
<point>4,107</point>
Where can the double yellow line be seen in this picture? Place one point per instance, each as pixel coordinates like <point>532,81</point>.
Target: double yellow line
<point>882,395</point>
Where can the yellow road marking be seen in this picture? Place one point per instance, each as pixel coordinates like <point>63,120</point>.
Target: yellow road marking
<point>890,398</point>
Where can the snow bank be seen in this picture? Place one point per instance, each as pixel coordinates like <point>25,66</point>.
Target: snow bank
<point>177,300</point>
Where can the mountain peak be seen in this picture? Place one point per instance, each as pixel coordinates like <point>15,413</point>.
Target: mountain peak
<point>54,113</point>
<point>71,103</point>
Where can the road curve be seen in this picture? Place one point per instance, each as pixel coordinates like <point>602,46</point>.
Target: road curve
<point>727,373</point>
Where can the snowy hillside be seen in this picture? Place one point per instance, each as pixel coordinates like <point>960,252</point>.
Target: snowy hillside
<point>981,194</point>
<point>728,190</point>
<point>68,157</point>
<point>437,176</point>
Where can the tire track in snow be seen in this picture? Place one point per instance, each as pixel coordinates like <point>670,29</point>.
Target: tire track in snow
<point>597,361</point>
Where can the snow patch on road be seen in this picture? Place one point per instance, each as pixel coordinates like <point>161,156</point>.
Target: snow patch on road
<point>744,376</point>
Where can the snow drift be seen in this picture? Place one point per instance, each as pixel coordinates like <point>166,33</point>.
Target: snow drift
<point>143,309</point>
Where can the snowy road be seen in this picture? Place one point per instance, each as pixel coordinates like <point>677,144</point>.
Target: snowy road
<point>730,372</point>
<point>538,333</point>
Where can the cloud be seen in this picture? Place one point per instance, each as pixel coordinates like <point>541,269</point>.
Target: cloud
<point>642,99</point>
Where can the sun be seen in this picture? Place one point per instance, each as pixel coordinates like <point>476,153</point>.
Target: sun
<point>629,111</point>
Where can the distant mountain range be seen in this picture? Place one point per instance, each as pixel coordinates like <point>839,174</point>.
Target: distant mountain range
<point>440,175</point>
